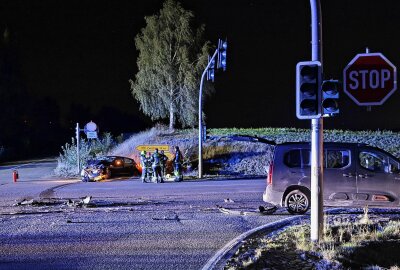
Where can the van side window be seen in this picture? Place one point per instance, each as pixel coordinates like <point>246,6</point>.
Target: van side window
<point>337,158</point>
<point>372,161</point>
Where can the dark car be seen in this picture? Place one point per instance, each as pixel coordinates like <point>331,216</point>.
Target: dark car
<point>107,167</point>
<point>354,175</point>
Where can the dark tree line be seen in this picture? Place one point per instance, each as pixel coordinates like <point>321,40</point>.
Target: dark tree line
<point>29,125</point>
<point>33,126</point>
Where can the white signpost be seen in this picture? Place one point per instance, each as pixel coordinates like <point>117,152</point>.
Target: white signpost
<point>90,130</point>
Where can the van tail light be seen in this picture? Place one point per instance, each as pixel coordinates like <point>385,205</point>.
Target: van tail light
<point>380,198</point>
<point>270,171</point>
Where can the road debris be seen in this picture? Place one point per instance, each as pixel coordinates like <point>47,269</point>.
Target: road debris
<point>269,210</point>
<point>32,202</point>
<point>169,216</point>
<point>247,211</point>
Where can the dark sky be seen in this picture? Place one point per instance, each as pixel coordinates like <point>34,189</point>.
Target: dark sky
<point>75,51</point>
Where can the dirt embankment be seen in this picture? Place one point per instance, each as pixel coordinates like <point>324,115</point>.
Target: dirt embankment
<point>222,155</point>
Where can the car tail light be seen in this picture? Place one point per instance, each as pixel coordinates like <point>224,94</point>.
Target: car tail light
<point>270,171</point>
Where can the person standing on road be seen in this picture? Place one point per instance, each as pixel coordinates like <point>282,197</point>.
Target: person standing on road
<point>178,165</point>
<point>143,164</point>
<point>148,166</point>
<point>155,159</point>
<point>163,160</point>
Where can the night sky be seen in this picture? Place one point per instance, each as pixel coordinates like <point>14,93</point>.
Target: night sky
<point>81,54</point>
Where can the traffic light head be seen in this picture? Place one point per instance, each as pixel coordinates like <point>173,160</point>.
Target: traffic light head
<point>330,97</point>
<point>211,69</point>
<point>222,46</point>
<point>308,83</point>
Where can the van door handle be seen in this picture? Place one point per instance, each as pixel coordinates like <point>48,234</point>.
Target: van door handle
<point>363,175</point>
<point>348,175</point>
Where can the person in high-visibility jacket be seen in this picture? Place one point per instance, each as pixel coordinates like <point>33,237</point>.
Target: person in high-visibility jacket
<point>143,164</point>
<point>156,160</point>
<point>163,163</point>
<point>178,164</point>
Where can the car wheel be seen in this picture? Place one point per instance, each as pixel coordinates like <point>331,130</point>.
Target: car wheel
<point>297,202</point>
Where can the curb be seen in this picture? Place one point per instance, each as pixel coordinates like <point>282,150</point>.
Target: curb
<point>228,250</point>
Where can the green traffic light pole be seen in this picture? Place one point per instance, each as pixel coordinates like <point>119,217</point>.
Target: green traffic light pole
<point>316,132</point>
<point>201,114</point>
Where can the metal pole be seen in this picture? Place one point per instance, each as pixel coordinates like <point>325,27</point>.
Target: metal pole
<point>201,115</point>
<point>78,161</point>
<point>316,133</point>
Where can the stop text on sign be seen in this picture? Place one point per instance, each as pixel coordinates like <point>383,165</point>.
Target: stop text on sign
<point>369,79</point>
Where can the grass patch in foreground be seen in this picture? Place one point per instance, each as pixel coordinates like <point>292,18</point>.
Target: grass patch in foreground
<point>363,243</point>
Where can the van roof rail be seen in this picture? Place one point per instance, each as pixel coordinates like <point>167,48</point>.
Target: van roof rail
<point>249,138</point>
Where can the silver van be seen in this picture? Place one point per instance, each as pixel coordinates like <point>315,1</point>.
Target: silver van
<point>354,175</point>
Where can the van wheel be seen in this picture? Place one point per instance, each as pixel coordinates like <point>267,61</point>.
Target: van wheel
<point>297,202</point>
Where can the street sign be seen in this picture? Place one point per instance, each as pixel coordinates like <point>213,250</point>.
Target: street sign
<point>150,148</point>
<point>90,130</point>
<point>91,134</point>
<point>91,126</point>
<point>369,79</point>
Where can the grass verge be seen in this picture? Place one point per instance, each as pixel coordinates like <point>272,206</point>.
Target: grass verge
<point>348,242</point>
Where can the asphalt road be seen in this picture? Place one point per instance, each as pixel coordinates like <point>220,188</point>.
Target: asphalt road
<point>28,171</point>
<point>127,225</point>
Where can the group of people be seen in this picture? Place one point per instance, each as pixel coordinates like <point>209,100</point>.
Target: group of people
<point>154,165</point>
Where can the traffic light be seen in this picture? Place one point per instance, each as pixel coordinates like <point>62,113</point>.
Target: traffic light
<point>308,88</point>
<point>211,69</point>
<point>222,45</point>
<point>330,97</point>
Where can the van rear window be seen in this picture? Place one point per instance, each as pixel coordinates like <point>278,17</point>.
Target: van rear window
<point>293,158</point>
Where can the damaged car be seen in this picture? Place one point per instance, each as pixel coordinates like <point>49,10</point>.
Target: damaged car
<point>107,167</point>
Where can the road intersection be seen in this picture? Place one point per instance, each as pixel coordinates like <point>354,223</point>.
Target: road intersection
<point>127,225</point>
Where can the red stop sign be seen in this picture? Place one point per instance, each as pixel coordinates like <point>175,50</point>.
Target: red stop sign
<point>369,79</point>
